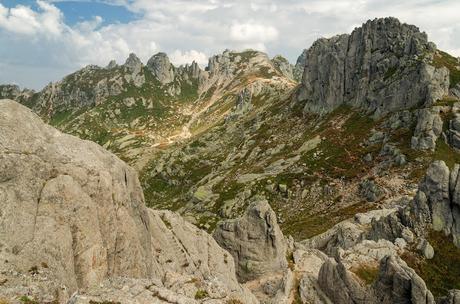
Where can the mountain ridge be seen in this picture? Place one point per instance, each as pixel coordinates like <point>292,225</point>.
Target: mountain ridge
<point>333,161</point>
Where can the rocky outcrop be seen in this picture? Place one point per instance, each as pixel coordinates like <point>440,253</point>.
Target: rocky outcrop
<point>435,205</point>
<point>436,188</point>
<point>161,68</point>
<point>10,91</point>
<point>455,91</point>
<point>300,65</point>
<point>383,66</point>
<point>395,283</point>
<point>428,129</point>
<point>255,241</point>
<point>339,284</point>
<point>242,106</point>
<point>283,65</point>
<point>452,298</point>
<point>133,62</point>
<point>135,73</point>
<point>370,190</point>
<point>453,134</point>
<point>112,64</point>
<point>398,283</point>
<point>73,217</point>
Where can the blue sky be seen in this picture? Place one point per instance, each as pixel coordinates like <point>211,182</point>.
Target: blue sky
<point>78,11</point>
<point>43,40</point>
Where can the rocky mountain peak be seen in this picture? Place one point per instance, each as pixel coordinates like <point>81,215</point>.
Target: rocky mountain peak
<point>381,67</point>
<point>192,71</point>
<point>112,64</point>
<point>133,62</point>
<point>12,91</point>
<point>283,65</point>
<point>161,68</point>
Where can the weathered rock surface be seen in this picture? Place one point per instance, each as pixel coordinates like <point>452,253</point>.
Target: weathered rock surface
<point>426,249</point>
<point>15,93</point>
<point>370,190</point>
<point>455,91</point>
<point>452,298</point>
<point>428,129</point>
<point>435,205</point>
<point>454,131</point>
<point>255,242</point>
<point>339,284</point>
<point>300,65</point>
<point>161,67</point>
<point>73,216</point>
<point>381,67</point>
<point>396,283</point>
<point>135,73</point>
<point>436,188</point>
<point>283,65</point>
<point>243,104</point>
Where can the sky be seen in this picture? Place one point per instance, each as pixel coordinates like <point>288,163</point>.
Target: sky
<point>44,40</point>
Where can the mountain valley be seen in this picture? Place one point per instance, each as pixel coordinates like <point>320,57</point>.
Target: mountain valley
<point>334,180</point>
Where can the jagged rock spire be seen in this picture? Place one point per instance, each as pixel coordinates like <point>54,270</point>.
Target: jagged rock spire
<point>133,61</point>
<point>112,64</point>
<point>161,68</point>
<point>381,67</point>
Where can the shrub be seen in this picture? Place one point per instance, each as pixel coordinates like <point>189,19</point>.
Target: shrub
<point>201,294</point>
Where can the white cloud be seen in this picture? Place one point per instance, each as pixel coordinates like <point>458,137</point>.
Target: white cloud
<point>178,57</point>
<point>39,40</point>
<point>23,20</point>
<point>20,20</point>
<point>253,32</point>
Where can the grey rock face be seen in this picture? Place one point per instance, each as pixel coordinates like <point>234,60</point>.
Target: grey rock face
<point>14,92</point>
<point>427,130</point>
<point>395,154</point>
<point>396,283</point>
<point>455,91</point>
<point>134,65</point>
<point>388,228</point>
<point>73,216</point>
<point>452,298</point>
<point>322,86</point>
<point>401,119</point>
<point>133,62</point>
<point>283,66</point>
<point>243,104</point>
<point>340,286</point>
<point>112,64</point>
<point>376,137</point>
<point>454,131</point>
<point>436,203</point>
<point>255,241</point>
<point>427,250</point>
<point>371,191</point>
<point>300,65</point>
<point>161,68</point>
<point>436,188</point>
<point>381,67</point>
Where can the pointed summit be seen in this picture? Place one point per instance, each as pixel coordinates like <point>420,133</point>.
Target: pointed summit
<point>133,61</point>
<point>112,64</point>
<point>393,61</point>
<point>283,65</point>
<point>161,68</point>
